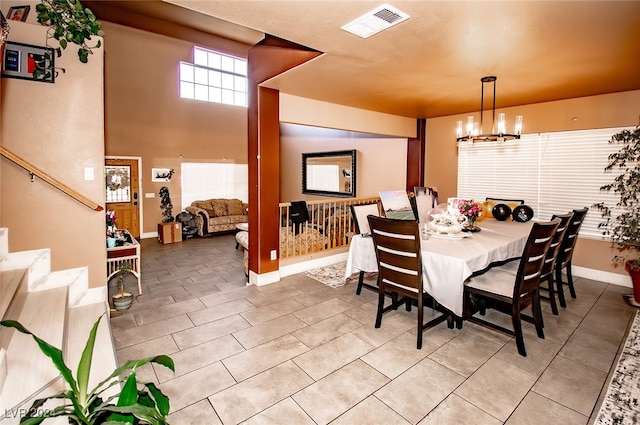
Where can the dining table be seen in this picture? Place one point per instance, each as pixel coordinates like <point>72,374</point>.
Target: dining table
<point>448,260</point>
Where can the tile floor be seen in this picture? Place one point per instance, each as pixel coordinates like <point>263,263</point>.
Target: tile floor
<point>300,352</point>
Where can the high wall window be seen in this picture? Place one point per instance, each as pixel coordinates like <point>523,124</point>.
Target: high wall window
<point>553,172</point>
<point>214,77</point>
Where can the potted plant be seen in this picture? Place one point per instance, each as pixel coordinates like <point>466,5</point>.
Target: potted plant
<point>69,22</point>
<point>165,205</point>
<point>622,222</point>
<point>122,300</point>
<point>135,402</point>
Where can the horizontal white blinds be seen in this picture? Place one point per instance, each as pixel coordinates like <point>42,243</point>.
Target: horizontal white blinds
<point>553,172</point>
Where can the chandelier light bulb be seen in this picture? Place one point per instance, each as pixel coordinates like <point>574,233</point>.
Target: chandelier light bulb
<point>502,125</point>
<point>469,125</point>
<point>459,129</point>
<point>518,128</point>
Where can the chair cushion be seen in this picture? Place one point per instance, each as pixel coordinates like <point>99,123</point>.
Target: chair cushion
<point>495,281</point>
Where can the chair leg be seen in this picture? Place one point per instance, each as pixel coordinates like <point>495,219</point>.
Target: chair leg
<point>517,329</point>
<point>552,295</point>
<point>572,290</point>
<point>537,314</point>
<point>380,307</point>
<point>420,318</point>
<point>360,282</point>
<point>560,288</point>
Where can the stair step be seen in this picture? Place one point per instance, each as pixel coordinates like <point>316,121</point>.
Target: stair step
<point>38,261</point>
<point>79,323</point>
<point>10,281</point>
<point>28,370</point>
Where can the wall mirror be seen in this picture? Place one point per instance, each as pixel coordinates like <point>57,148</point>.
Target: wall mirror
<point>329,173</point>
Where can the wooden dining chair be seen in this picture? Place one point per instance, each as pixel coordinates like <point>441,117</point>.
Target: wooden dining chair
<point>566,254</point>
<point>509,294</point>
<point>360,213</point>
<point>397,246</point>
<point>546,277</point>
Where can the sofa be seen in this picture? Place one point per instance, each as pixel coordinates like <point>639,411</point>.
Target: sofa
<point>218,215</point>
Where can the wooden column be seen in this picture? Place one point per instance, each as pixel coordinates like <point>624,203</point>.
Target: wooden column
<point>416,156</point>
<point>270,57</point>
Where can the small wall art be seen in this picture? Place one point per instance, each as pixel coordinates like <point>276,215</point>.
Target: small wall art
<point>161,174</point>
<point>28,62</point>
<point>18,13</point>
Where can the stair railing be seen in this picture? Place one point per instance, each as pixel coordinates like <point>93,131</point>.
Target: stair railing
<point>36,172</point>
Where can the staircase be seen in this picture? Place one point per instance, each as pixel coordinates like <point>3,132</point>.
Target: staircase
<point>58,307</point>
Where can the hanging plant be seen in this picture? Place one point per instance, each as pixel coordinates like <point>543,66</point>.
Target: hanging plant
<point>69,22</point>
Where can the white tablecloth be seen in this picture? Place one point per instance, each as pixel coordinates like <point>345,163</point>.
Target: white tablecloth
<point>447,263</point>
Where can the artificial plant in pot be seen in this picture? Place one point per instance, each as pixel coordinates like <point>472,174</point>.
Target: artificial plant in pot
<point>622,222</point>
<point>84,406</point>
<point>69,22</point>
<point>166,205</point>
<point>122,300</point>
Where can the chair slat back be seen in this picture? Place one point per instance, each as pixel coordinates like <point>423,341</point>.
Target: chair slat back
<point>571,237</point>
<point>556,243</point>
<point>533,257</point>
<point>397,246</point>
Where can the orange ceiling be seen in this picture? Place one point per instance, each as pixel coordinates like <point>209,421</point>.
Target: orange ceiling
<point>431,64</point>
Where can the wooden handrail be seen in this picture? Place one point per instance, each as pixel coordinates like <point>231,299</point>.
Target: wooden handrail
<point>35,171</point>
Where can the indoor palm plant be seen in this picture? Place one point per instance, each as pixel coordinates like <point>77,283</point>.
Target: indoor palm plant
<point>622,225</point>
<point>83,406</point>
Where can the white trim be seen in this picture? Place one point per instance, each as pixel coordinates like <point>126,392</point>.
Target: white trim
<point>149,235</point>
<point>315,263</point>
<point>263,279</point>
<point>602,276</point>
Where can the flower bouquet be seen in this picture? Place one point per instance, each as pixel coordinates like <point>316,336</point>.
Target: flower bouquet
<point>471,211</point>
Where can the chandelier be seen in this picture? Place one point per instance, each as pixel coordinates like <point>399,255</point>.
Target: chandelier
<point>498,132</point>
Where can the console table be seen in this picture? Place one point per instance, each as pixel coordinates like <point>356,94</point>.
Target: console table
<point>117,255</point>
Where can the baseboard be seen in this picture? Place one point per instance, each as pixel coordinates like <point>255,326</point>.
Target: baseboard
<point>602,276</point>
<point>149,235</point>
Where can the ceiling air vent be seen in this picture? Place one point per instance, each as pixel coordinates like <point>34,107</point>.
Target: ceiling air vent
<point>377,20</point>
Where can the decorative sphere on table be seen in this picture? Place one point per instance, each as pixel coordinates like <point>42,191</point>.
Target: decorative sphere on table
<point>501,212</point>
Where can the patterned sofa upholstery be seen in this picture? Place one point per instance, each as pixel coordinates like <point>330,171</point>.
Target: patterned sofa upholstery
<point>218,215</point>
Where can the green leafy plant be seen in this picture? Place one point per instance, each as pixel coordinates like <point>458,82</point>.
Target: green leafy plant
<point>84,407</point>
<point>623,226</point>
<point>69,22</point>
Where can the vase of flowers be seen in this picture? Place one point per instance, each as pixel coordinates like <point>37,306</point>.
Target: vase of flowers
<point>471,211</point>
<point>110,220</point>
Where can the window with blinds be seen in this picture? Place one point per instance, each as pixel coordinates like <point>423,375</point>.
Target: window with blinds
<point>202,181</point>
<point>553,172</point>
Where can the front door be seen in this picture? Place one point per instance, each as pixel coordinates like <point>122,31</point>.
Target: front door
<point>122,186</point>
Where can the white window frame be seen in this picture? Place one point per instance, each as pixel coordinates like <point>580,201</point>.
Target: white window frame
<point>553,172</point>
<point>214,77</point>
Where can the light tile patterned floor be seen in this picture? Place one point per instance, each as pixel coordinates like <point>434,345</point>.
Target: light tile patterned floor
<point>300,352</point>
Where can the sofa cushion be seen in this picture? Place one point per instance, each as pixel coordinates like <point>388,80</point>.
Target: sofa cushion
<point>234,207</point>
<point>219,207</point>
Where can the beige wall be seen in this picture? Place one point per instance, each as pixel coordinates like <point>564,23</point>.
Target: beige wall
<point>610,110</point>
<point>145,117</point>
<point>59,128</point>
<point>381,162</point>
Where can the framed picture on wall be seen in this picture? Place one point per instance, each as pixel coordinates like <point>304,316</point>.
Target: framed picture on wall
<point>18,13</point>
<point>28,62</point>
<point>161,174</point>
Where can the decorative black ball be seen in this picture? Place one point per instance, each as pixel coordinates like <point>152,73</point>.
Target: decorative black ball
<point>522,213</point>
<point>501,212</point>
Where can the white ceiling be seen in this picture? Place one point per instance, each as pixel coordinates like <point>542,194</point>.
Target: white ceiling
<point>431,64</point>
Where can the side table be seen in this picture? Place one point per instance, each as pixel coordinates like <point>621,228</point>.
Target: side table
<point>117,255</point>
